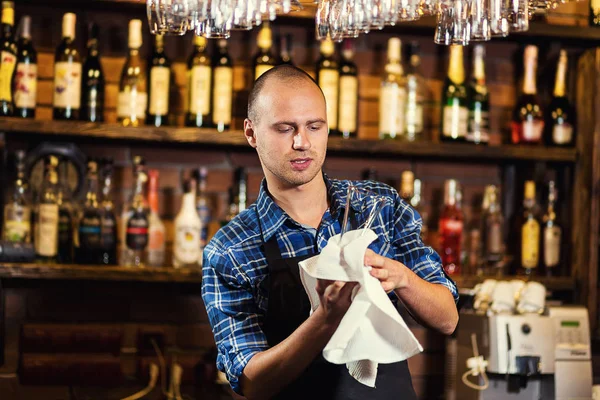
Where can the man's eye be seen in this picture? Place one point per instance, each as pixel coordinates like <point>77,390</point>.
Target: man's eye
<point>286,129</point>
<point>314,127</point>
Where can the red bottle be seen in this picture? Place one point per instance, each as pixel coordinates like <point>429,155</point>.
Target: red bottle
<point>451,229</point>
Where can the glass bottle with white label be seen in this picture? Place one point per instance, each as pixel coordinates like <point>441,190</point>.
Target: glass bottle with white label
<point>186,249</point>
<point>328,79</point>
<point>67,73</point>
<point>159,84</point>
<point>479,101</point>
<point>528,116</point>
<point>92,87</point>
<point>392,95</point>
<point>156,228</point>
<point>133,95</point>
<point>199,85</point>
<point>348,107</point>
<point>8,59</point>
<point>136,219</point>
<point>455,114</point>
<point>17,210</point>
<point>222,88</point>
<point>552,234</point>
<point>415,95</point>
<point>46,223</point>
<point>530,231</point>
<point>264,59</point>
<point>89,249</point>
<point>560,116</point>
<point>25,82</point>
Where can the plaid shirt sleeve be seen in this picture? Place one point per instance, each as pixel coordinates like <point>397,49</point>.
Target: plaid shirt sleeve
<point>232,312</point>
<point>412,252</point>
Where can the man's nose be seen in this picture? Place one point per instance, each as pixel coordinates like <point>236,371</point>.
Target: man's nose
<point>301,140</point>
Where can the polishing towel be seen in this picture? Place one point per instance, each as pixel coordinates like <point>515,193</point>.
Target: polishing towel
<point>372,331</point>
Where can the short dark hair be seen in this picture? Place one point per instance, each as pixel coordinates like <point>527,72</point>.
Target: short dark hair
<point>280,72</point>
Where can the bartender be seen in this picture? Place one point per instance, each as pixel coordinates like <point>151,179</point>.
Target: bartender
<point>268,345</point>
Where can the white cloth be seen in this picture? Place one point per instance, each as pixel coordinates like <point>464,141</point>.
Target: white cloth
<point>372,331</point>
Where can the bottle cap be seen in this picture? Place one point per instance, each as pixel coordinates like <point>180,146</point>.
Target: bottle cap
<point>529,189</point>
<point>394,49</point>
<point>135,34</point>
<point>8,12</point>
<point>199,41</point>
<point>451,191</point>
<point>68,26</point>
<point>26,27</point>
<point>327,47</point>
<point>264,39</point>
<point>348,50</point>
<point>407,182</point>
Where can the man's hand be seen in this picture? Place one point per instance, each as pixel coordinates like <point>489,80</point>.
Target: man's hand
<point>391,273</point>
<point>335,297</point>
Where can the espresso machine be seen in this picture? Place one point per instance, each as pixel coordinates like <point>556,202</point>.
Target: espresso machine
<point>521,356</point>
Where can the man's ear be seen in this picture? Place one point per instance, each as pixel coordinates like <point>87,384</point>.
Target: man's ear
<point>249,132</point>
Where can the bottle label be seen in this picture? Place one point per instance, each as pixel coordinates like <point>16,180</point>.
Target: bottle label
<point>109,232</point>
<point>414,114</point>
<point>479,125</point>
<point>494,240</point>
<point>67,85</point>
<point>132,104</point>
<point>532,130</point>
<point>90,232</point>
<point>348,103</point>
<point>47,235</point>
<point>562,133</point>
<point>16,231</point>
<point>26,86</point>
<point>455,120</point>
<point>159,90</point>
<point>200,90</point>
<point>451,227</point>
<point>136,232</point>
<point>530,239</point>
<point>187,244</point>
<point>261,69</point>
<point>7,68</point>
<point>552,236</point>
<point>391,104</point>
<point>329,83</point>
<point>222,96</point>
<point>156,239</point>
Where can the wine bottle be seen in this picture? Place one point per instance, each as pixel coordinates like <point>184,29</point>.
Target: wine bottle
<point>415,96</point>
<point>451,229</point>
<point>25,85</point>
<point>89,249</point>
<point>17,209</point>
<point>285,49</point>
<point>392,95</point>
<point>92,88</point>
<point>67,73</point>
<point>46,223</point>
<point>552,234</point>
<point>109,219</point>
<point>530,231</point>
<point>560,116</point>
<point>348,107</point>
<point>159,72</point>
<point>199,85</point>
<point>479,102</point>
<point>264,59</point>
<point>222,89</point>
<point>455,114</point>
<point>8,59</point>
<point>186,249</point>
<point>328,79</point>
<point>136,219</point>
<point>528,117</point>
<point>133,96</point>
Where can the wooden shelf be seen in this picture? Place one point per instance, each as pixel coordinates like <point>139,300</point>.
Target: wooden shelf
<point>236,140</point>
<point>560,283</point>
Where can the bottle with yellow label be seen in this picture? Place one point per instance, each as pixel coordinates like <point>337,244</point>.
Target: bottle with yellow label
<point>67,73</point>
<point>8,59</point>
<point>199,84</point>
<point>328,79</point>
<point>159,84</point>
<point>222,88</point>
<point>348,108</point>
<point>530,231</point>
<point>264,59</point>
<point>25,82</point>
<point>133,95</point>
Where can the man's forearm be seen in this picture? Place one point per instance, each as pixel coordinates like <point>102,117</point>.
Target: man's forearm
<point>430,303</point>
<point>269,371</point>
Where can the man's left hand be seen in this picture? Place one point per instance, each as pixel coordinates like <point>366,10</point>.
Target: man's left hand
<point>391,273</point>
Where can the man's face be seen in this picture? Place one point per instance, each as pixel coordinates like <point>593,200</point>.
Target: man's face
<point>291,131</point>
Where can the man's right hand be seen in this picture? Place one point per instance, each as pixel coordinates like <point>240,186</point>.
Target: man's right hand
<point>335,297</point>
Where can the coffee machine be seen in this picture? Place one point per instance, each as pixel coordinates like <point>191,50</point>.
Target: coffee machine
<point>525,356</point>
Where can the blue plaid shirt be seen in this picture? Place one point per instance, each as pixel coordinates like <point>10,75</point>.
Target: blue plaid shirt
<point>234,284</point>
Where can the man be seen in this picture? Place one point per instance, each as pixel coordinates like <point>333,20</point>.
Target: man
<point>267,343</point>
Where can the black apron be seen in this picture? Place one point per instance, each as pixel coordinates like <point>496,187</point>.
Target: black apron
<point>287,308</point>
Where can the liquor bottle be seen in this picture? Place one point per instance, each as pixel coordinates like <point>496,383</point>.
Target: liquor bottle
<point>89,250</point>
<point>66,215</point>
<point>136,219</point>
<point>186,249</point>
<point>328,79</point>
<point>67,73</point>
<point>392,96</point>
<point>415,95</point>
<point>133,96</point>
<point>199,85</point>
<point>8,59</point>
<point>285,49</point>
<point>560,116</point>
<point>108,243</point>
<point>159,85</point>
<point>156,229</point>
<point>25,84</point>
<point>552,233</point>
<point>46,224</point>
<point>222,89</point>
<point>530,231</point>
<point>492,231</point>
<point>92,86</point>
<point>416,203</point>
<point>203,208</point>
<point>264,59</point>
<point>451,229</point>
<point>455,114</point>
<point>17,210</point>
<point>407,188</point>
<point>348,96</point>
<point>528,117</point>
<point>479,102</point>
<point>594,13</point>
